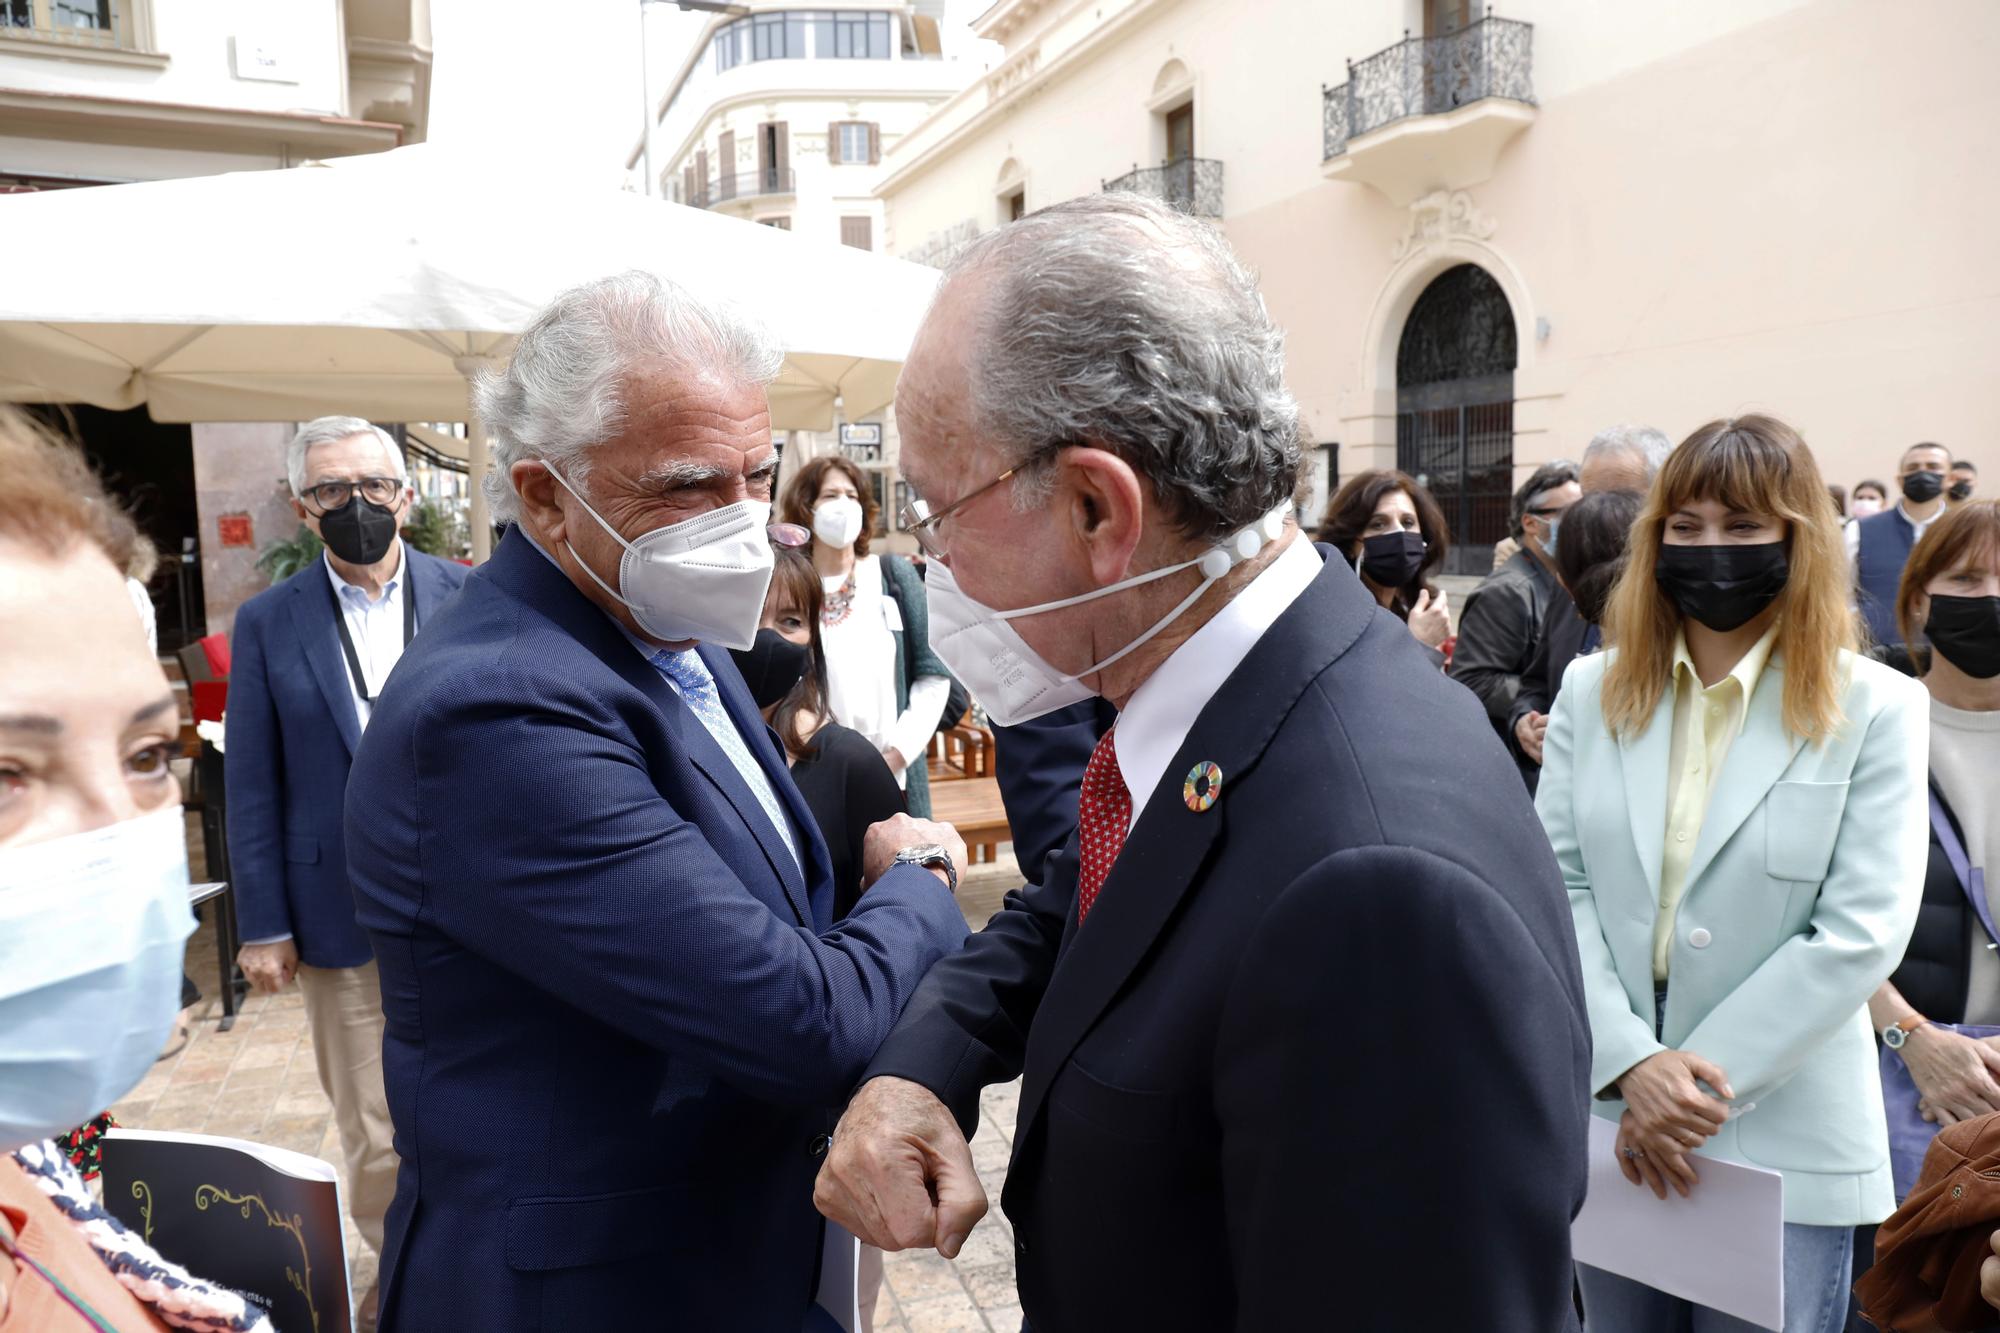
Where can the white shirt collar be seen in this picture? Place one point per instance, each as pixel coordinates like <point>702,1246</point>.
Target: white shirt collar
<point>341,587</point>
<point>1161,712</point>
<point>1919,524</point>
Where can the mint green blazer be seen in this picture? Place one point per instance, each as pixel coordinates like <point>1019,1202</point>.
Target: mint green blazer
<point>1800,899</point>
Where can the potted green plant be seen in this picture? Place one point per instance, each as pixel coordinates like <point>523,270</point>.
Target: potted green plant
<point>286,556</point>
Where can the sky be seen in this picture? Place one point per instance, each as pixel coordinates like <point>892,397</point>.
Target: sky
<point>558,100</point>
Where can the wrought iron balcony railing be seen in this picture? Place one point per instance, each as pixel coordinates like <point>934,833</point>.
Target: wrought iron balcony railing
<point>1427,76</point>
<point>1191,184</point>
<point>744,185</point>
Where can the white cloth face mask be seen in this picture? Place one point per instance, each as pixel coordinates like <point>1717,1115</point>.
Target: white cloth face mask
<point>1012,681</point>
<point>702,578</point>
<point>837,522</point>
<point>93,930</point>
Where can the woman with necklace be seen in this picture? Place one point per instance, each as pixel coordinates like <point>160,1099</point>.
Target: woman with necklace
<point>883,680</point>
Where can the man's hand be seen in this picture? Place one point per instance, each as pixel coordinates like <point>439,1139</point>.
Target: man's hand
<point>270,967</point>
<point>884,840</point>
<point>1529,731</point>
<point>899,1174</point>
<point>1668,1109</point>
<point>1430,619</point>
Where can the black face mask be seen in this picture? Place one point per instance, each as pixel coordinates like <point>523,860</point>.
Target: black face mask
<point>772,665</point>
<point>1723,587</point>
<point>1392,559</point>
<point>1961,491</point>
<point>1922,487</point>
<point>358,532</point>
<point>1966,631</point>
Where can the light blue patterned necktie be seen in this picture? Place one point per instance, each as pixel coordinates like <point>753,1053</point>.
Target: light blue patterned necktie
<point>687,671</point>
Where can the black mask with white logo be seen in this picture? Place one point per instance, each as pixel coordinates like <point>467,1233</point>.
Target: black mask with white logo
<point>1723,587</point>
<point>1923,487</point>
<point>772,665</point>
<point>1392,559</point>
<point>358,532</point>
<point>1965,631</point>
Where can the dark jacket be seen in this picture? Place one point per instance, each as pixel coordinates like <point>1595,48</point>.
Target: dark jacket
<point>620,1018</point>
<point>1369,905</point>
<point>292,734</point>
<point>848,787</point>
<point>1564,634</point>
<point>1040,766</point>
<point>1936,969</point>
<point>1498,631</point>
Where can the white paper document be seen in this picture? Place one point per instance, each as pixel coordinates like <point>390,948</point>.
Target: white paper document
<point>1723,1248</point>
<point>840,1253</point>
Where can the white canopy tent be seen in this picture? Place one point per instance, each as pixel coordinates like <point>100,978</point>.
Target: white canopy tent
<point>376,286</point>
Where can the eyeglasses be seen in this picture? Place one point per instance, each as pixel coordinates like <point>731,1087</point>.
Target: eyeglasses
<point>1549,511</point>
<point>788,535</point>
<point>915,517</point>
<point>332,495</point>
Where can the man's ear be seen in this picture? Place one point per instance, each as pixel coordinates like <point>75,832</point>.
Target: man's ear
<point>537,492</point>
<point>1106,504</point>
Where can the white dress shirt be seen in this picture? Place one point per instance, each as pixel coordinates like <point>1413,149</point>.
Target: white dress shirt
<point>1161,712</point>
<point>376,628</point>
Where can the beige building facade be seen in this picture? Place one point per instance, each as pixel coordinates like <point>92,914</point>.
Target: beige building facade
<point>1490,234</point>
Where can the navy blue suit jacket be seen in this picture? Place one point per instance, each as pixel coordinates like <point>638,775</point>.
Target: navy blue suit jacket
<point>1320,1057</point>
<point>292,733</point>
<point>620,1017</point>
<point>1039,765</point>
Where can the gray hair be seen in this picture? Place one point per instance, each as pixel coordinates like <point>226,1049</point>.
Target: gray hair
<point>1118,322</point>
<point>1546,478</point>
<point>1650,444</point>
<point>327,430</point>
<point>561,392</point>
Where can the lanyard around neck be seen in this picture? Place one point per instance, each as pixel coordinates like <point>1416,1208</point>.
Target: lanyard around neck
<point>347,638</point>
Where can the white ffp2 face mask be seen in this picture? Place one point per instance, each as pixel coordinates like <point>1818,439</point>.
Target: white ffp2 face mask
<point>1012,681</point>
<point>837,523</point>
<point>93,928</point>
<point>701,579</point>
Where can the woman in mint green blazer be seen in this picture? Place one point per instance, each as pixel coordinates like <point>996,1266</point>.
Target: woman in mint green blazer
<point>1737,803</point>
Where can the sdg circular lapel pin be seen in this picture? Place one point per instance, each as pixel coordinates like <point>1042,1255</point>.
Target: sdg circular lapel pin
<point>1203,786</point>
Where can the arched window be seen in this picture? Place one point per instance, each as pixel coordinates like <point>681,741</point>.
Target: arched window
<point>1455,407</point>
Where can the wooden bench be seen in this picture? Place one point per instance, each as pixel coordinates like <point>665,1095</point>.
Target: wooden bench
<point>972,805</point>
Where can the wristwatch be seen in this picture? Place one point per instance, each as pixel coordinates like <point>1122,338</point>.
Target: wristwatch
<point>1896,1034</point>
<point>931,857</point>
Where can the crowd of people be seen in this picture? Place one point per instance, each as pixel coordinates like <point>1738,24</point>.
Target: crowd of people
<point>632,960</point>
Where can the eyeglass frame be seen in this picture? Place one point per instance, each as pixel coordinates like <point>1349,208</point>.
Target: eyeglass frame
<point>922,526</point>
<point>354,487</point>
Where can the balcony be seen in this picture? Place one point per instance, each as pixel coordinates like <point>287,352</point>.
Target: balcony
<point>1431,113</point>
<point>744,185</point>
<point>1191,184</point>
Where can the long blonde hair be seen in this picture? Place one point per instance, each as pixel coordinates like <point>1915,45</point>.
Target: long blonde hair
<point>1759,465</point>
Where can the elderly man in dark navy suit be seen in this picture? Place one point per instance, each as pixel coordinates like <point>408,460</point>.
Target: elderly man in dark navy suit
<point>1298,1006</point>
<point>309,659</point>
<point>621,1018</point>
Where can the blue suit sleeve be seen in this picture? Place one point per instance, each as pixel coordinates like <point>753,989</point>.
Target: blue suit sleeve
<point>253,782</point>
<point>547,848</point>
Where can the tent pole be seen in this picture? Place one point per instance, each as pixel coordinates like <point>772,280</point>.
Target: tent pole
<point>478,464</point>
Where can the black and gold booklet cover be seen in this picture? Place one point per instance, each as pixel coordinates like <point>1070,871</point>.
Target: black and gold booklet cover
<point>263,1220</point>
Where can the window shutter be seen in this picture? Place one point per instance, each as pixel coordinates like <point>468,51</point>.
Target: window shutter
<point>833,144</point>
<point>857,232</point>
<point>874,144</point>
<point>725,165</point>
<point>784,147</point>
<point>687,185</point>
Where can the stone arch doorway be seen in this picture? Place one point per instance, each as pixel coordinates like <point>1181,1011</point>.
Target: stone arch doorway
<point>1455,408</point>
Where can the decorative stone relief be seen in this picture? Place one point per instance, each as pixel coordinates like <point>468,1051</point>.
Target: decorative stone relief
<point>1440,216</point>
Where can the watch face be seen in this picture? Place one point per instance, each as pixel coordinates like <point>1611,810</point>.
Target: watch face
<point>1893,1037</point>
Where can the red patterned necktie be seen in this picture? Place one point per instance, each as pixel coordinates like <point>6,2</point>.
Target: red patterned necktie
<point>1104,815</point>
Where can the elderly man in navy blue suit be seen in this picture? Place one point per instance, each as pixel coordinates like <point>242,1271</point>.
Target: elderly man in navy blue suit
<point>309,659</point>
<point>1297,1009</point>
<point>621,1018</point>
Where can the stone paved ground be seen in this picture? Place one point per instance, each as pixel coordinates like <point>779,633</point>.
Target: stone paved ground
<point>258,1082</point>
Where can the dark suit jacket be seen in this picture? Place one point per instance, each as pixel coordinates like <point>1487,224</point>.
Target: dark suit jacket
<point>619,1015</point>
<point>1497,633</point>
<point>292,733</point>
<point>1039,766</point>
<point>1563,631</point>
<point>1320,1059</point>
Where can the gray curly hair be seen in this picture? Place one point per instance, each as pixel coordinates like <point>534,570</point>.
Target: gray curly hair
<point>1117,321</point>
<point>560,394</point>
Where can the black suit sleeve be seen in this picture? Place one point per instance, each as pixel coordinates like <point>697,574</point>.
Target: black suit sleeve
<point>1495,637</point>
<point>1534,695</point>
<point>1040,765</point>
<point>967,1024</point>
<point>1399,1066</point>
